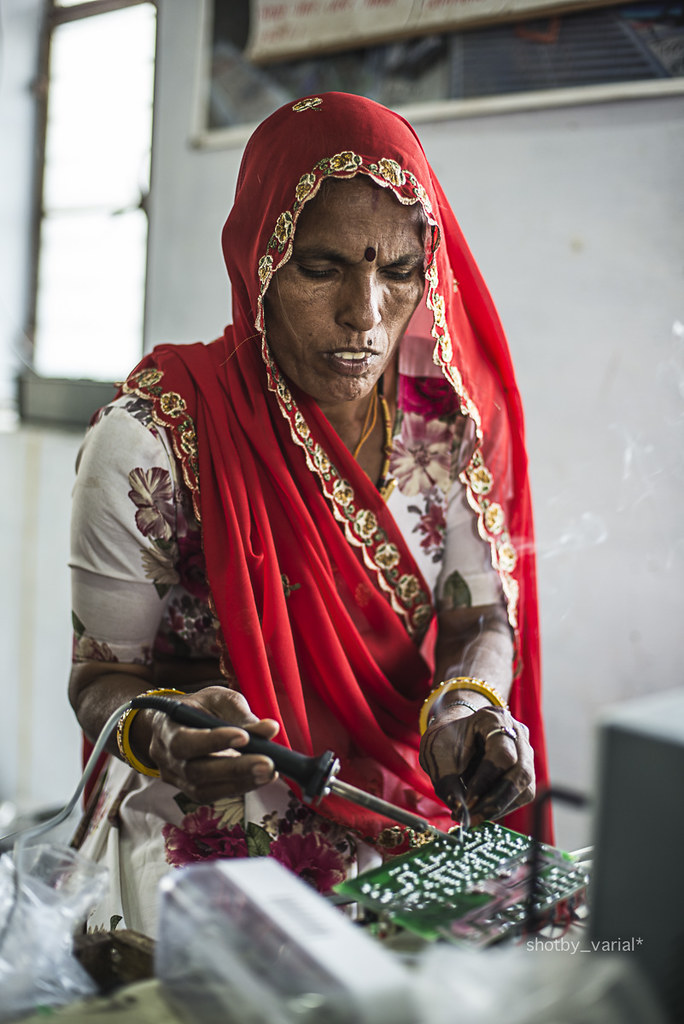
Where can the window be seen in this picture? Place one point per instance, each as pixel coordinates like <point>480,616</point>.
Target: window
<point>92,231</point>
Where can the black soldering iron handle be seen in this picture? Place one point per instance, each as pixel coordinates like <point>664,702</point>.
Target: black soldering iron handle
<point>310,773</point>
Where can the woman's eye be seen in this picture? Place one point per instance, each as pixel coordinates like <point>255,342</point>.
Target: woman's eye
<point>400,275</point>
<point>315,272</point>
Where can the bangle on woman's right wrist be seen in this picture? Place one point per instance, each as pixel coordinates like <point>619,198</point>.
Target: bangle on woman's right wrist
<point>123,730</point>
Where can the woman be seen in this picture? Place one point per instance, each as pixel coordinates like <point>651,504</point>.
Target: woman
<point>332,501</point>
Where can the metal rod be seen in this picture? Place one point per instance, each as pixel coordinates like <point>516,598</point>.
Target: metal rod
<point>375,803</point>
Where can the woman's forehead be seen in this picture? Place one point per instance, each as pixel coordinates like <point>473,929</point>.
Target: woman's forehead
<point>355,204</point>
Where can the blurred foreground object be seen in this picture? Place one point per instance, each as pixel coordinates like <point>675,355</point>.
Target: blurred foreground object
<point>637,900</point>
<point>246,940</point>
<point>45,894</point>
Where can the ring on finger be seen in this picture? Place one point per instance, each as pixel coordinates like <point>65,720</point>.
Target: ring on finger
<point>504,731</point>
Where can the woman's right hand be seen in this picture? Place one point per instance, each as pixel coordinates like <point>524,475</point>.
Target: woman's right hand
<point>206,764</point>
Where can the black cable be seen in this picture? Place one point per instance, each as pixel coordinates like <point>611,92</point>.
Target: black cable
<point>568,796</point>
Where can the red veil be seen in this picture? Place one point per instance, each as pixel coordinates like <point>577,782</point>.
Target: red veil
<point>321,606</point>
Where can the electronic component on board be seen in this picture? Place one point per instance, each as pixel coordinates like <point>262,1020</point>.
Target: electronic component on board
<point>475,893</point>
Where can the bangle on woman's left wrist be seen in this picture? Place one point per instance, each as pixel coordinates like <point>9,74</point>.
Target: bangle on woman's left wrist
<point>461,703</point>
<point>435,712</point>
<point>460,683</point>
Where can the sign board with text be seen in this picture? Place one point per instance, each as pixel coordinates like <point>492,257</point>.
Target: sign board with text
<point>283,29</point>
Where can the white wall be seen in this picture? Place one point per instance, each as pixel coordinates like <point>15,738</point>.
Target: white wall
<point>39,747</point>
<point>575,218</point>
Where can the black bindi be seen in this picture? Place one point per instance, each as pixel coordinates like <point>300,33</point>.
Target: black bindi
<point>370,254</point>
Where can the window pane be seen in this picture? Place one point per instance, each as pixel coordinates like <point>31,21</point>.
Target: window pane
<point>90,301</point>
<point>90,297</point>
<point>100,110</point>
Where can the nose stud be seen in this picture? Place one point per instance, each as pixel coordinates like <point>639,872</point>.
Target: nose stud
<point>370,254</point>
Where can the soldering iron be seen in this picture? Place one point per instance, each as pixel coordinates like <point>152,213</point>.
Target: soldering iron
<point>315,776</point>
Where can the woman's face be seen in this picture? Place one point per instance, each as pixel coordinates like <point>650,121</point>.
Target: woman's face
<point>337,309</point>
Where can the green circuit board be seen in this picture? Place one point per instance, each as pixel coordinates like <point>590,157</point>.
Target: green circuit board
<point>474,893</point>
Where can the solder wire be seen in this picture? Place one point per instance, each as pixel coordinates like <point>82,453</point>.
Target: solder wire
<point>465,818</point>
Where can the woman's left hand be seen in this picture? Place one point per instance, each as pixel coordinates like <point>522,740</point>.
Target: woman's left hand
<point>483,758</point>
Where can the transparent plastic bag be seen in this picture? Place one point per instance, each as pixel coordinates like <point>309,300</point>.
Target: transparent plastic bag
<point>45,894</point>
<point>515,984</point>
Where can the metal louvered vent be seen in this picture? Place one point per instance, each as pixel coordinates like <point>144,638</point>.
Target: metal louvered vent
<point>592,48</point>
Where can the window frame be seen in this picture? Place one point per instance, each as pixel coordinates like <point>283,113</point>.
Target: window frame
<point>44,400</point>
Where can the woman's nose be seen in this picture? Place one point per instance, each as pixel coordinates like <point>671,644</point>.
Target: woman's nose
<point>359,306</point>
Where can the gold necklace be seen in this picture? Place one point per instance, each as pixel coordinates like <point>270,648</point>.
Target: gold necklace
<point>367,430</point>
<point>386,485</point>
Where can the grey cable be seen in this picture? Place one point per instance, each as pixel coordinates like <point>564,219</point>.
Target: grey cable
<point>25,835</point>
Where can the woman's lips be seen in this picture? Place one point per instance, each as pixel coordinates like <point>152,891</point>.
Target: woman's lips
<point>349,362</point>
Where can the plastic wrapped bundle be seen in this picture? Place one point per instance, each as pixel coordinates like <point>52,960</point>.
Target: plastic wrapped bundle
<point>247,941</point>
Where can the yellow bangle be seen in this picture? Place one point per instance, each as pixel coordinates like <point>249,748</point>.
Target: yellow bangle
<point>458,683</point>
<point>123,729</point>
